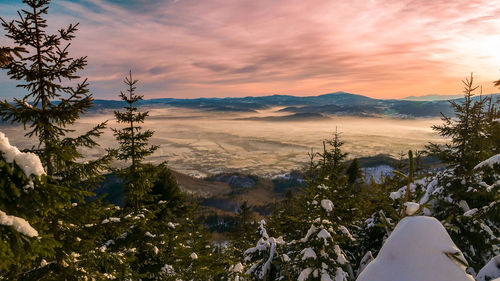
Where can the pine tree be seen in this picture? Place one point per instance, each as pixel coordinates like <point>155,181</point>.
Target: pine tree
<point>195,256</point>
<point>50,106</point>
<point>263,262</point>
<point>19,173</point>
<point>354,172</point>
<point>464,197</point>
<point>133,141</point>
<point>285,217</point>
<point>318,254</point>
<point>467,131</point>
<point>134,146</point>
<point>243,236</point>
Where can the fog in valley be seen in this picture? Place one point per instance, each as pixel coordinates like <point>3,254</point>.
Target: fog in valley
<point>201,143</point>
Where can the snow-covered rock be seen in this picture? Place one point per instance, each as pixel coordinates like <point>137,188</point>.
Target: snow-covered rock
<point>491,271</point>
<point>419,249</point>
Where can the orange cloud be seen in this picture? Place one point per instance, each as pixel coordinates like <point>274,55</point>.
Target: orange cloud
<point>379,48</point>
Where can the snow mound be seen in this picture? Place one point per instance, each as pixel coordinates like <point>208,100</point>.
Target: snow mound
<point>19,224</point>
<point>489,162</point>
<point>419,249</point>
<point>28,162</point>
<point>491,271</point>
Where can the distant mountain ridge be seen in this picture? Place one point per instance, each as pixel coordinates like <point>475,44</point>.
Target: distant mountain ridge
<point>339,103</point>
<point>433,97</point>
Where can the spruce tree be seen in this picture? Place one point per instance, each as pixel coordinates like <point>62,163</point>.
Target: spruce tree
<point>464,197</point>
<point>467,131</point>
<point>319,254</point>
<point>19,173</point>
<point>47,110</point>
<point>195,256</point>
<point>265,260</point>
<point>243,235</point>
<point>134,145</point>
<point>354,172</point>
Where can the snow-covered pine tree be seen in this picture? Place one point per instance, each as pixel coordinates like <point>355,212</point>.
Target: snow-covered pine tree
<point>134,146</point>
<point>330,164</point>
<point>318,255</point>
<point>285,217</point>
<point>266,261</point>
<point>19,172</point>
<point>241,238</point>
<point>382,213</point>
<point>467,130</point>
<point>464,197</point>
<point>50,106</point>
<point>194,253</point>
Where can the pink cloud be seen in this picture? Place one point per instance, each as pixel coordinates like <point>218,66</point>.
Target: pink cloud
<point>378,48</point>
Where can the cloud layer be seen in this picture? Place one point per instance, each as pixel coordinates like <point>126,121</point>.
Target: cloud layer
<point>189,48</point>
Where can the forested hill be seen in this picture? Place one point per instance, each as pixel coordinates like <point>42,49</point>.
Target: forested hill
<point>339,103</point>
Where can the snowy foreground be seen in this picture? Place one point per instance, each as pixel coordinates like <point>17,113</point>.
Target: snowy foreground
<point>31,165</point>
<point>419,249</point>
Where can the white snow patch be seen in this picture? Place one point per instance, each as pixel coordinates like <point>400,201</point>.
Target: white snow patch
<point>27,161</point>
<point>168,269</point>
<point>311,230</point>
<point>304,274</point>
<point>340,256</point>
<point>491,271</point>
<point>238,268</point>
<point>418,249</point>
<point>365,261</point>
<point>340,275</point>
<point>489,162</point>
<point>308,253</point>
<point>470,212</point>
<point>411,208</point>
<point>327,205</point>
<point>19,224</point>
<point>325,277</point>
<point>324,234</point>
<point>346,232</point>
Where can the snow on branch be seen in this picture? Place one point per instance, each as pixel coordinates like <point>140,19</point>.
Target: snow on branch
<point>489,162</point>
<point>27,161</point>
<point>19,224</point>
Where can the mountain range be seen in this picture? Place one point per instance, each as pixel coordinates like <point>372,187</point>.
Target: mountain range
<point>339,103</point>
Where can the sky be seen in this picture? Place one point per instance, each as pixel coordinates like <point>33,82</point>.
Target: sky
<point>231,48</point>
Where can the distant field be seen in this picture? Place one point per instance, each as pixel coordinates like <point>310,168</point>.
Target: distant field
<point>201,143</point>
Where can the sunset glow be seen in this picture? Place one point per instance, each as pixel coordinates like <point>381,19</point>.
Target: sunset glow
<point>216,48</point>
